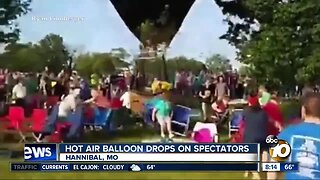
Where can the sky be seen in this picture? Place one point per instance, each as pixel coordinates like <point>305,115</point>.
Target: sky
<point>95,26</point>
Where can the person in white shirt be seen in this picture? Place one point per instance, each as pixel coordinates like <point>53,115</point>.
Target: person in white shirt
<point>68,104</point>
<point>125,98</point>
<point>19,93</point>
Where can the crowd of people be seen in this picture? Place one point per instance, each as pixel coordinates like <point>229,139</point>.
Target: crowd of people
<point>31,90</point>
<point>262,116</point>
<point>228,82</point>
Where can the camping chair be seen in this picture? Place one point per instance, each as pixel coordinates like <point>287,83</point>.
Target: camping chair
<point>205,133</point>
<point>39,117</point>
<point>16,119</point>
<point>235,121</point>
<point>101,117</point>
<point>180,120</point>
<point>51,101</point>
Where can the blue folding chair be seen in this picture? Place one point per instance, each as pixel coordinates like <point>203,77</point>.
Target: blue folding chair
<point>180,120</point>
<point>102,116</point>
<point>76,119</point>
<point>235,120</point>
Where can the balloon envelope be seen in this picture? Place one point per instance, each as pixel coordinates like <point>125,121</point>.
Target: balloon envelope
<point>165,16</point>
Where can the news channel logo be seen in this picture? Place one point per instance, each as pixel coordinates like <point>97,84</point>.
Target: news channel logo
<point>279,149</point>
<point>40,152</point>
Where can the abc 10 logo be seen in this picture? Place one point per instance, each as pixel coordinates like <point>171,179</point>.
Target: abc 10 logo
<point>279,150</point>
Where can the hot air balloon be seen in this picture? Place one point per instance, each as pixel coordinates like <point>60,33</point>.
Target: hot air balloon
<point>153,22</point>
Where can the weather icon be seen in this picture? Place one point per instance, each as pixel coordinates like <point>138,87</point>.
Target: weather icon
<point>135,168</point>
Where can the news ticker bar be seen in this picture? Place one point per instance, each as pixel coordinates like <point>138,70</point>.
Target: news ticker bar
<point>279,167</point>
<point>160,157</point>
<point>142,152</point>
<point>66,167</point>
<point>158,148</point>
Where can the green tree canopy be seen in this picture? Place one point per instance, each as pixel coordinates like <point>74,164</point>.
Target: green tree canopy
<point>49,51</point>
<point>10,10</point>
<point>101,63</point>
<point>279,39</point>
<point>218,63</point>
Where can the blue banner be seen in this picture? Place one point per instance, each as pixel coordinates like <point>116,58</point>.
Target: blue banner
<point>289,167</point>
<point>132,167</point>
<point>40,152</point>
<point>159,148</point>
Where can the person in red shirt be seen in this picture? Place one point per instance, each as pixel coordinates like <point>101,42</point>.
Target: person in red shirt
<point>220,107</point>
<point>98,103</point>
<point>276,119</point>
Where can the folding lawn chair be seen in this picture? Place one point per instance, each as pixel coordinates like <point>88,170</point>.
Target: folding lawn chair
<point>101,117</point>
<point>39,117</point>
<point>180,120</point>
<point>16,118</point>
<point>205,132</point>
<point>235,121</point>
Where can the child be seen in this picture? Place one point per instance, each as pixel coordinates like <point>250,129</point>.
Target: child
<point>98,102</point>
<point>220,107</point>
<point>163,113</point>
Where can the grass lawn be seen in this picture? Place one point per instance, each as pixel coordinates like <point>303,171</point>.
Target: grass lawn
<point>134,136</point>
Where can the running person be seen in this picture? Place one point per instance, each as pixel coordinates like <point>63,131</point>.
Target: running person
<point>162,112</point>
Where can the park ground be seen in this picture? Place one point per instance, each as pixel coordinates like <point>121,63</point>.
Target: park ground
<point>125,136</point>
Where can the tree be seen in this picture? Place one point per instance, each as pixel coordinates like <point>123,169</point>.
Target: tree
<point>23,57</point>
<point>103,64</point>
<point>54,52</point>
<point>10,10</point>
<point>217,63</point>
<point>278,38</point>
<point>155,68</point>
<point>50,51</point>
<point>84,64</point>
<point>244,71</point>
